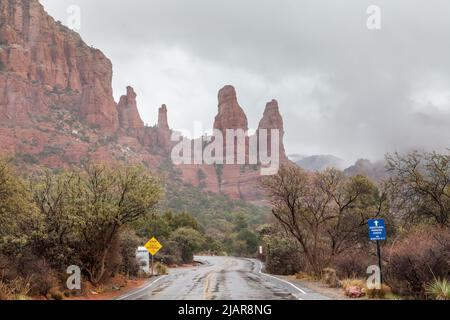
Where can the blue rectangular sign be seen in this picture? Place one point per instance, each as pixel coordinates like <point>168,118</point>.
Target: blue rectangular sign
<point>377,230</point>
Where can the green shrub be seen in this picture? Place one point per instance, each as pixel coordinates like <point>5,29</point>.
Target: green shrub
<point>161,269</point>
<point>189,241</point>
<point>282,256</point>
<point>122,195</point>
<point>77,217</point>
<point>219,172</point>
<point>53,150</point>
<point>129,242</point>
<point>171,253</point>
<point>330,278</point>
<point>28,158</point>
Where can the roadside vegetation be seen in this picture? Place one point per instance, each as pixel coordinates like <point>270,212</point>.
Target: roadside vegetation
<point>229,227</point>
<point>95,217</point>
<point>322,219</point>
<point>77,217</point>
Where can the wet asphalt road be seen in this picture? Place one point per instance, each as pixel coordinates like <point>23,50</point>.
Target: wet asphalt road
<point>221,278</point>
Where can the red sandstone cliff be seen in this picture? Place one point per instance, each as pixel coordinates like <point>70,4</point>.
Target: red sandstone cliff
<point>56,102</point>
<point>40,56</point>
<point>57,107</point>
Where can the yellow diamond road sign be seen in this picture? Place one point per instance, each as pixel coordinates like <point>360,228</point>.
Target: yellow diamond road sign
<point>153,246</point>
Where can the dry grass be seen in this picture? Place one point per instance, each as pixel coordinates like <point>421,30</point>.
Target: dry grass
<point>385,292</point>
<point>330,278</point>
<point>354,288</point>
<point>55,294</point>
<point>348,283</point>
<point>161,269</point>
<point>382,293</point>
<point>100,289</point>
<point>439,289</point>
<point>16,289</point>
<point>303,276</point>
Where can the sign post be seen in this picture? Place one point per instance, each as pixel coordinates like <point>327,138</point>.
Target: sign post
<point>377,232</point>
<point>153,246</point>
<point>379,260</point>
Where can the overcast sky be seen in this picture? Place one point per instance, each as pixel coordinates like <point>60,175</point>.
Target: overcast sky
<point>343,89</point>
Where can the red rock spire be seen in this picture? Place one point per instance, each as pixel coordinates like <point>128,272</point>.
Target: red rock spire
<point>231,115</point>
<point>272,119</point>
<point>162,118</point>
<point>129,117</point>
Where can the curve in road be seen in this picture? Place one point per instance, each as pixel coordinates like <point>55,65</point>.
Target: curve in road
<point>221,278</point>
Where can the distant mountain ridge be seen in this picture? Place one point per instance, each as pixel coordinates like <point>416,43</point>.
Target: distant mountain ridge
<point>374,170</point>
<point>318,162</point>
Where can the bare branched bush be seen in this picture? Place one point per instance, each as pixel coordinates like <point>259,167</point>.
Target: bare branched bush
<point>326,212</point>
<point>420,187</point>
<point>412,264</point>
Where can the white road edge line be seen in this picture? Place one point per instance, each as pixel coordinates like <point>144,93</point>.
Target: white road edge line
<point>282,280</point>
<point>142,289</point>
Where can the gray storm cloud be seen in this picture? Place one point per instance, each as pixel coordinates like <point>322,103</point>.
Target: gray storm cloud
<point>343,89</point>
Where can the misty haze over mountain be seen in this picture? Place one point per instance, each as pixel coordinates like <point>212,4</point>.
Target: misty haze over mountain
<point>342,89</point>
<point>319,162</point>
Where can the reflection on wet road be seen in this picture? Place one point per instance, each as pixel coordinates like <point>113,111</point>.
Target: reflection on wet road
<point>219,278</point>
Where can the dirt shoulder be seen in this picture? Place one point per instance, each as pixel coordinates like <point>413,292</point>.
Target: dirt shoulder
<point>112,291</point>
<point>319,287</point>
<point>116,287</point>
